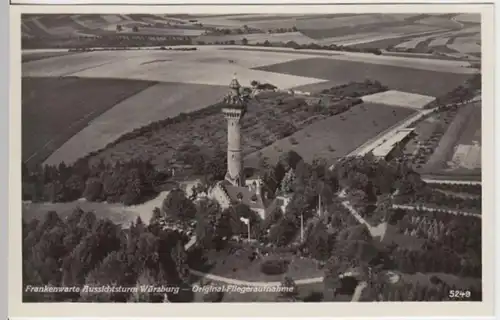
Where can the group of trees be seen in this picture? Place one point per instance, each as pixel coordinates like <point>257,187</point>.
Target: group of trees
<point>434,258</point>
<point>226,31</point>
<point>85,250</point>
<point>374,177</point>
<point>106,40</point>
<point>119,28</point>
<point>460,94</point>
<point>459,233</point>
<point>313,46</point>
<point>129,183</point>
<point>356,89</point>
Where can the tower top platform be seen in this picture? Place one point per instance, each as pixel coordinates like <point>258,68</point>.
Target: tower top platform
<point>234,99</point>
<point>234,83</point>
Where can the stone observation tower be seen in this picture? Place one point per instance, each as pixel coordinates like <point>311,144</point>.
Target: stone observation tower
<point>234,107</point>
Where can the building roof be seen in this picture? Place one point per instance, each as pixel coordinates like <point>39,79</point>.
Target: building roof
<point>388,145</point>
<point>247,196</point>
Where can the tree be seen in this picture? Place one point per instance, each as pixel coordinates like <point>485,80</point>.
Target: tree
<point>283,231</point>
<point>176,204</point>
<point>114,271</point>
<point>93,189</point>
<point>155,218</point>
<point>244,41</point>
<point>207,231</point>
<point>290,289</point>
<point>290,159</point>
<point>179,257</point>
<point>149,277</point>
<point>287,182</point>
<point>318,242</point>
<point>135,28</point>
<point>119,28</point>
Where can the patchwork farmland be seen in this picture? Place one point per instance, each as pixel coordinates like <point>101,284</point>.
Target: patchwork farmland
<point>180,74</point>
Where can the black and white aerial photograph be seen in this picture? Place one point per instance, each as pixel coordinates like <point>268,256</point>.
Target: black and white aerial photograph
<point>251,157</point>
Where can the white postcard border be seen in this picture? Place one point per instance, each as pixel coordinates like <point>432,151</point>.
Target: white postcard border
<point>385,309</point>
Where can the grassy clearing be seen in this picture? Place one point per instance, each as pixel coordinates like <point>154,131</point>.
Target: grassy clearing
<point>238,265</point>
<point>398,98</point>
<point>430,83</point>
<point>117,213</point>
<point>336,136</point>
<point>54,109</point>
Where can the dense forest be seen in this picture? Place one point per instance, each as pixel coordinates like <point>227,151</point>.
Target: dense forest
<point>84,250</point>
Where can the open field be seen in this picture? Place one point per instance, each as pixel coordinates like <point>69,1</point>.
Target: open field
<point>441,22</point>
<point>54,109</point>
<point>397,78</point>
<point>469,17</point>
<point>447,145</point>
<point>398,98</point>
<point>157,102</point>
<point>382,23</point>
<point>335,136</point>
<point>198,66</point>
<point>416,62</point>
<point>467,153</point>
<point>371,38</point>
<point>438,40</point>
<point>466,45</point>
<point>33,56</point>
<point>441,41</point>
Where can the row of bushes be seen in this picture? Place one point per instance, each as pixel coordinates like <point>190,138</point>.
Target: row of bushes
<point>310,46</point>
<point>474,189</point>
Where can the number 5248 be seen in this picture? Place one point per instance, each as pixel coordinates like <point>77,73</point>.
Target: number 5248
<point>459,294</point>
